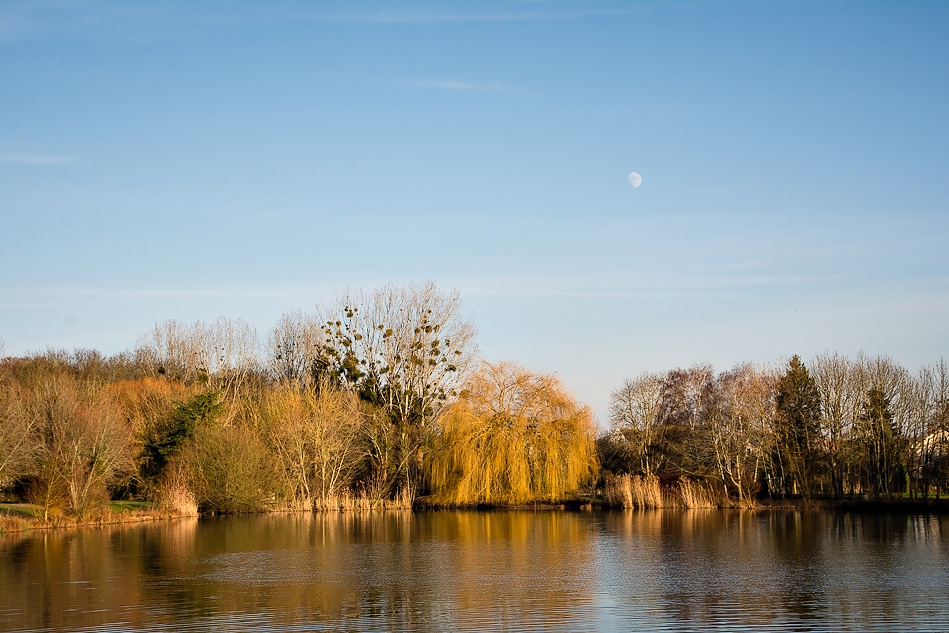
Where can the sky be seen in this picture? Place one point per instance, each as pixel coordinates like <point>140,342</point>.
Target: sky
<point>187,161</point>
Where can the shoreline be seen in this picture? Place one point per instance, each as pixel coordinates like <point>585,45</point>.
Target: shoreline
<point>15,517</point>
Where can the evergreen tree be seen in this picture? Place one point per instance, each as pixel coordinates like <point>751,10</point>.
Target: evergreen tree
<point>798,428</point>
<point>882,443</point>
<point>166,441</point>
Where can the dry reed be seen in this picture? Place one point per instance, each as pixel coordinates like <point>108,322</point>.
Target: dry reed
<point>633,491</point>
<point>694,494</point>
<point>636,492</point>
<point>348,501</point>
<point>175,494</point>
<point>12,523</point>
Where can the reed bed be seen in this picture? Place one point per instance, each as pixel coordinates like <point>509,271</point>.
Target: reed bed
<point>633,491</point>
<point>9,523</point>
<point>693,494</point>
<point>175,495</point>
<point>638,492</point>
<point>179,499</point>
<point>348,501</point>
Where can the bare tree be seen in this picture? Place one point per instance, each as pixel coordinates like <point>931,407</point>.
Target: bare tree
<point>229,469</point>
<point>880,423</point>
<point>234,354</point>
<point>81,442</point>
<point>934,447</point>
<point>405,350</point>
<point>832,372</point>
<point>292,346</point>
<point>684,397</point>
<point>222,355</point>
<point>16,430</point>
<point>318,437</point>
<point>740,416</point>
<point>915,399</point>
<point>634,418</point>
<point>172,349</point>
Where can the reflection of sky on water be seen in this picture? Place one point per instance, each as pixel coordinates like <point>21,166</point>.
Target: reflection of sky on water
<point>485,571</point>
<point>777,571</point>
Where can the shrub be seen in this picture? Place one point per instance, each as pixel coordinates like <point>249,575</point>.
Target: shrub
<point>230,470</point>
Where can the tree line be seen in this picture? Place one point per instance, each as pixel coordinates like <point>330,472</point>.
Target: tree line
<point>836,427</point>
<point>381,399</point>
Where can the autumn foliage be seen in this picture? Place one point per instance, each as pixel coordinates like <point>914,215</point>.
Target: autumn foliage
<point>379,400</point>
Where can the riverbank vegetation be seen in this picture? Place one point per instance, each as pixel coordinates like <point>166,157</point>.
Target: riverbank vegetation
<point>377,401</point>
<point>380,400</point>
<point>513,437</point>
<point>841,429</point>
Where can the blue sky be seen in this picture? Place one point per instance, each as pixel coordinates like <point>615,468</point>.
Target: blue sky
<point>173,160</point>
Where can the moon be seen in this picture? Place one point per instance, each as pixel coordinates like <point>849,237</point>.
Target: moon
<point>635,179</point>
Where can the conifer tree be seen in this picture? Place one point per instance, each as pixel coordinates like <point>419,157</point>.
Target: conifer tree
<point>797,428</point>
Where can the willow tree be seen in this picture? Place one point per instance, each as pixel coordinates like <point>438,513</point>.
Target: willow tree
<point>513,436</point>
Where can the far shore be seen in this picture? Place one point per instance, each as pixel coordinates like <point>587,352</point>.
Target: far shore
<point>16,518</point>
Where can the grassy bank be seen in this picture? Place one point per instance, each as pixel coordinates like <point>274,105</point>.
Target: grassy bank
<point>20,517</point>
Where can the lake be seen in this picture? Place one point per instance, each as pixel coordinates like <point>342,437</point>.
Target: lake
<point>662,570</point>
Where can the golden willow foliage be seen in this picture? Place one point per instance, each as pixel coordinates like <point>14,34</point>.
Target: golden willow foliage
<point>513,437</point>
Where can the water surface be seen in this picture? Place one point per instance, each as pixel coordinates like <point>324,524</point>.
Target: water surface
<point>485,571</point>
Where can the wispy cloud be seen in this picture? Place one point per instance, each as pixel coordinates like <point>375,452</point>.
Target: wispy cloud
<point>24,20</point>
<point>37,159</point>
<point>437,16</point>
<point>54,293</point>
<point>669,286</point>
<point>472,87</point>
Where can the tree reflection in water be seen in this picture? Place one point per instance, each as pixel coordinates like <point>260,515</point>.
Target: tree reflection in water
<point>505,570</point>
